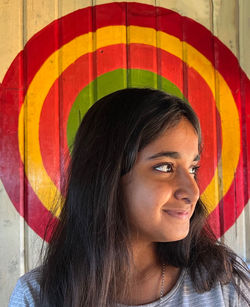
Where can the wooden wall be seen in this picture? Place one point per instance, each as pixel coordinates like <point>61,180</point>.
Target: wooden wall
<point>58,57</point>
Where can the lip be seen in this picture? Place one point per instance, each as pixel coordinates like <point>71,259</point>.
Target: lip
<point>180,214</point>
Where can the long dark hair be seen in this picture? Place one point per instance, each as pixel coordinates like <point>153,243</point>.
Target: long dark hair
<point>87,261</point>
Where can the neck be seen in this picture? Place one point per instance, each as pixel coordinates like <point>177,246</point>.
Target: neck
<point>146,275</point>
<point>145,262</point>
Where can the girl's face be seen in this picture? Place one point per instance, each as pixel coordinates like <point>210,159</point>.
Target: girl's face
<point>160,191</point>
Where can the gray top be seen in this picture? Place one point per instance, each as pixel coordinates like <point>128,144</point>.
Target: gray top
<point>26,293</point>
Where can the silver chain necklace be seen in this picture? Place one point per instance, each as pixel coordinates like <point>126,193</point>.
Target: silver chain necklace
<point>162,282</point>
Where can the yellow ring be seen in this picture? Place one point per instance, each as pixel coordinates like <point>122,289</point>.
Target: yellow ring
<point>58,61</point>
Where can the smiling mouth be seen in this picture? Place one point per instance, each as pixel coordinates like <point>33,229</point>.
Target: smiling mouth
<point>177,214</point>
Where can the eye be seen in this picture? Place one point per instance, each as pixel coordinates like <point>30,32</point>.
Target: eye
<point>165,168</point>
<point>194,169</point>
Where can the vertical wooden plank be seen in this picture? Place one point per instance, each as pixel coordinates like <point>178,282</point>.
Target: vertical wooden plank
<point>219,211</point>
<point>10,246</point>
<point>141,46</point>
<point>226,27</point>
<point>201,90</point>
<point>109,43</point>
<point>169,65</point>
<point>237,236</point>
<point>244,45</point>
<point>11,41</point>
<point>36,16</point>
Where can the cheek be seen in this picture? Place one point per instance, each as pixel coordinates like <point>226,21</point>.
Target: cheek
<point>146,197</point>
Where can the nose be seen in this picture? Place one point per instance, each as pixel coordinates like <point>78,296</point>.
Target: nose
<point>186,189</point>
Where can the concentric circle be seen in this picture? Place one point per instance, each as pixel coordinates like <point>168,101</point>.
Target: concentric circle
<point>92,61</point>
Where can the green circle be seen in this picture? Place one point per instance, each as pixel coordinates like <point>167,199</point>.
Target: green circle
<point>111,82</point>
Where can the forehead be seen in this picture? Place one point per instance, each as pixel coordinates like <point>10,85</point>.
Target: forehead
<point>181,138</point>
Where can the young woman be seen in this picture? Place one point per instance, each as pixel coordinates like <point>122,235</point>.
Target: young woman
<point>133,229</point>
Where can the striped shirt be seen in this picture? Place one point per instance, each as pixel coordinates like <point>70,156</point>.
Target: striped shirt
<point>26,293</point>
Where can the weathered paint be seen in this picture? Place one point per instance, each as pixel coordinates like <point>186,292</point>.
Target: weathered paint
<point>87,38</point>
<point>77,56</point>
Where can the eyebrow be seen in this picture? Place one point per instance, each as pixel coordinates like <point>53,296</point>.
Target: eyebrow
<point>171,154</point>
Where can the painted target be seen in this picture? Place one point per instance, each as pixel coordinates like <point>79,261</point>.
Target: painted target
<point>89,53</point>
